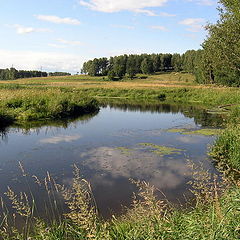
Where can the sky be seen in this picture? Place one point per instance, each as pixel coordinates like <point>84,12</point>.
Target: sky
<point>59,35</point>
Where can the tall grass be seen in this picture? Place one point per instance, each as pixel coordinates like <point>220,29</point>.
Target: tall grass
<point>39,104</point>
<point>226,149</point>
<point>215,214</point>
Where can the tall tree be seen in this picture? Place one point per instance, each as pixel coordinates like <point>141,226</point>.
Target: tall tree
<point>147,66</point>
<point>222,47</point>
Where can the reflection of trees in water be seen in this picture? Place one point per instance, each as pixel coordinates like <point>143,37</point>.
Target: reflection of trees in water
<point>36,126</point>
<point>200,115</point>
<point>3,134</point>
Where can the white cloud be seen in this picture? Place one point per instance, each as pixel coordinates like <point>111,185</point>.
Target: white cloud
<point>67,42</point>
<point>164,14</point>
<point>194,24</point>
<point>111,6</point>
<point>49,61</point>
<point>204,2</point>
<point>60,138</point>
<point>58,20</point>
<point>147,12</point>
<point>25,30</point>
<point>56,45</point>
<point>122,26</point>
<point>162,28</point>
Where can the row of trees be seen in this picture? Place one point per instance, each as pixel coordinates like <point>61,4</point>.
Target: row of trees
<point>130,65</point>
<point>217,62</point>
<point>56,74</point>
<point>12,73</point>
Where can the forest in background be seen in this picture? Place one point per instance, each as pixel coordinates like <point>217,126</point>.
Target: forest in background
<point>12,74</point>
<point>218,62</point>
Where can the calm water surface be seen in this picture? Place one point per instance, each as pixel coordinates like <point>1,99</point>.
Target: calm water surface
<point>110,147</point>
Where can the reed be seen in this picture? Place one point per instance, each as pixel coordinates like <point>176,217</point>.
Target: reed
<point>215,214</point>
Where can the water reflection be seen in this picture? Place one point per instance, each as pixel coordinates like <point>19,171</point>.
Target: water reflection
<point>200,114</point>
<point>107,148</point>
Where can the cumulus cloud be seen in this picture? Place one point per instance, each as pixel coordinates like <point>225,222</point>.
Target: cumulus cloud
<point>161,28</point>
<point>204,2</point>
<point>67,42</point>
<point>122,26</point>
<point>58,20</point>
<point>159,171</point>
<point>25,30</point>
<point>164,14</point>
<point>60,138</point>
<point>111,6</point>
<point>54,45</point>
<point>194,24</point>
<point>33,60</point>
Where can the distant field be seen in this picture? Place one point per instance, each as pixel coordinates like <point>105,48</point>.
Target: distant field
<point>173,87</point>
<point>82,81</point>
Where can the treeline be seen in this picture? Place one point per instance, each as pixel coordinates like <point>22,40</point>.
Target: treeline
<point>57,74</point>
<point>217,62</point>
<point>131,65</point>
<point>220,60</point>
<point>12,73</point>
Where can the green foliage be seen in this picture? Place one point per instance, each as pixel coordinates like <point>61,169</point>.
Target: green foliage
<point>12,73</point>
<point>213,216</point>
<point>132,65</point>
<point>59,74</point>
<point>176,62</point>
<point>44,105</point>
<point>131,68</point>
<point>222,47</point>
<point>226,150</point>
<point>119,66</point>
<point>111,75</point>
<point>147,66</point>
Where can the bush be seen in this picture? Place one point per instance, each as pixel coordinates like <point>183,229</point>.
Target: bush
<point>226,150</point>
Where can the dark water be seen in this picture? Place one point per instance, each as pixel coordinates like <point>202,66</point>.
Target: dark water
<point>110,147</point>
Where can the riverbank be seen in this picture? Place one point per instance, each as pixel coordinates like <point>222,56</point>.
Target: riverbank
<point>214,216</point>
<point>23,105</point>
<point>216,212</point>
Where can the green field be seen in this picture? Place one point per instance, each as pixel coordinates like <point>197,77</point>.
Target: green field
<point>216,213</point>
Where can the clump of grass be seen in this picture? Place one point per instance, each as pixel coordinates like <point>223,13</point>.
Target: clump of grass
<point>28,105</point>
<point>226,150</point>
<point>82,207</point>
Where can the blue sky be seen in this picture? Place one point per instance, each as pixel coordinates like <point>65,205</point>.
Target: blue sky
<point>59,35</point>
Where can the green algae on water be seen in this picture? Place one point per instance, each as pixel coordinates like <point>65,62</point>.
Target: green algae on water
<point>124,150</point>
<point>162,150</point>
<point>176,130</point>
<point>204,132</point>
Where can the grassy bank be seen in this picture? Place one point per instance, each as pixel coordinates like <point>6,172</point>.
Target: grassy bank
<point>23,105</point>
<point>226,151</point>
<point>215,214</point>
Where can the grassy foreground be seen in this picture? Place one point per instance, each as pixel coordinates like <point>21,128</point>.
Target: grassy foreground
<point>216,214</point>
<point>22,104</point>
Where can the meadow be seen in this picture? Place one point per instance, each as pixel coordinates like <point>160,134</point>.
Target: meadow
<point>215,213</point>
